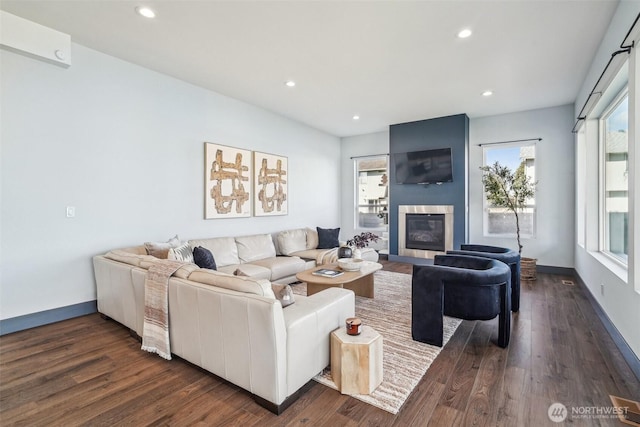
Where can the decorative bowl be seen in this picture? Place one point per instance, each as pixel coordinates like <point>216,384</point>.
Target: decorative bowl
<point>350,264</point>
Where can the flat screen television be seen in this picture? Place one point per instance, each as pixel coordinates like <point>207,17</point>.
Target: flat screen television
<point>424,167</point>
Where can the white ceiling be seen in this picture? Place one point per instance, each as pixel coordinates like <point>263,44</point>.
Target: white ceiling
<point>386,61</point>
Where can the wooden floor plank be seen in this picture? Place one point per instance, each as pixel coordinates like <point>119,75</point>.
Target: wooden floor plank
<point>465,371</point>
<point>445,416</point>
<point>88,370</point>
<point>489,383</point>
<point>510,406</point>
<point>421,404</point>
<point>441,368</point>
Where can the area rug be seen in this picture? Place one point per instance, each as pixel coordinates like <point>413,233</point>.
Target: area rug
<point>404,361</point>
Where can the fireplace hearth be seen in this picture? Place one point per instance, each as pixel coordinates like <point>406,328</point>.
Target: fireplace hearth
<point>425,230</point>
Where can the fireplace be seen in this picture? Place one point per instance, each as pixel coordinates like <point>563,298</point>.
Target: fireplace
<point>424,230</point>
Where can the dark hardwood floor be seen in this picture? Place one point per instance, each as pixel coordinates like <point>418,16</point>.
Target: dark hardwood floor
<point>88,371</point>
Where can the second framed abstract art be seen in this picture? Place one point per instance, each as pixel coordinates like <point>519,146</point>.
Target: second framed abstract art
<point>270,189</point>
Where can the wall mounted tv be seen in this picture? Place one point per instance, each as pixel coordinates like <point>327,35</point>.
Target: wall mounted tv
<point>423,167</point>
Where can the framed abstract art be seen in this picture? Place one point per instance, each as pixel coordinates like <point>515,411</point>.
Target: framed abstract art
<point>228,177</point>
<point>270,187</point>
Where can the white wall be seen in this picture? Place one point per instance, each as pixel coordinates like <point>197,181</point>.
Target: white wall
<point>611,286</point>
<point>552,244</point>
<point>354,146</point>
<point>124,145</point>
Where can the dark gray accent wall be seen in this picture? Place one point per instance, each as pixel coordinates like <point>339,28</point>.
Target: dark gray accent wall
<point>443,132</point>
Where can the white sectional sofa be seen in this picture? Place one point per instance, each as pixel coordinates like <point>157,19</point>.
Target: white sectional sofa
<point>232,325</point>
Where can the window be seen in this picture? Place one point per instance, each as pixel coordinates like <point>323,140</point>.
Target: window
<point>581,186</point>
<point>614,194</point>
<point>371,192</point>
<point>501,221</point>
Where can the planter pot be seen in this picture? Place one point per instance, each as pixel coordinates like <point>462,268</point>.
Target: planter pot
<point>528,268</point>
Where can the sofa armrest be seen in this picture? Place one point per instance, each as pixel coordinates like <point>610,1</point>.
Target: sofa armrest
<point>116,293</point>
<point>309,323</point>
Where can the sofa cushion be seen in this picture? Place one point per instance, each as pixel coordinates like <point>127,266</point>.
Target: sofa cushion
<point>283,293</point>
<point>204,258</point>
<point>240,272</point>
<point>161,249</point>
<point>223,249</point>
<point>328,238</point>
<point>236,283</point>
<point>312,238</point>
<point>290,241</point>
<point>249,270</point>
<point>309,253</point>
<point>282,266</point>
<point>183,252</point>
<point>256,247</point>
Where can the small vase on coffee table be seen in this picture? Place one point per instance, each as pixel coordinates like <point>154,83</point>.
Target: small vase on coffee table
<point>345,252</point>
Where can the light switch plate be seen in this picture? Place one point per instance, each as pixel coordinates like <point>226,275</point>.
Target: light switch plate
<point>71,211</point>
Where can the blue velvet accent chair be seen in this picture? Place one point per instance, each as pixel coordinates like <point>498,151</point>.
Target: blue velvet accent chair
<point>466,287</point>
<point>506,255</point>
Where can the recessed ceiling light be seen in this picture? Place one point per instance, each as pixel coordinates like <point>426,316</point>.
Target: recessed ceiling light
<point>356,117</point>
<point>487,93</point>
<point>464,33</point>
<point>145,11</point>
<point>290,83</point>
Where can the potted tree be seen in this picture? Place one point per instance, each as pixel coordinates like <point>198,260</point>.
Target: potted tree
<point>509,189</point>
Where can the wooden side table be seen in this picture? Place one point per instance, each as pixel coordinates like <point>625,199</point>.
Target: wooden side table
<point>356,360</point>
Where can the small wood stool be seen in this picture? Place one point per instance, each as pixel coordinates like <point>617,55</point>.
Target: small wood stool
<point>356,360</point>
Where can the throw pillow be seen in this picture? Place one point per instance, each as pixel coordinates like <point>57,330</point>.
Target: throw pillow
<point>181,253</point>
<point>283,293</point>
<point>161,249</point>
<point>328,238</point>
<point>292,241</point>
<point>312,238</point>
<point>204,258</point>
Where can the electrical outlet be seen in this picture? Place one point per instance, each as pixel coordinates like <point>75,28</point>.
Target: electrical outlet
<point>71,211</point>
<point>602,289</point>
